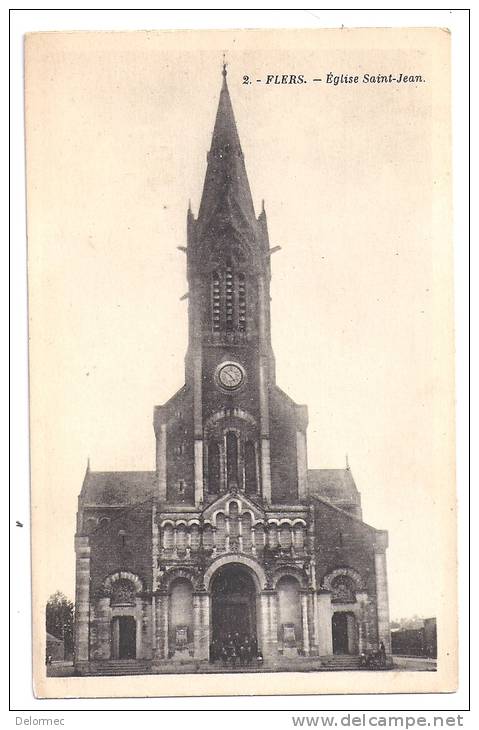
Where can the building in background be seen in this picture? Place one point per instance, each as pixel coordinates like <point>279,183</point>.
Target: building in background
<point>231,533</point>
<point>418,642</point>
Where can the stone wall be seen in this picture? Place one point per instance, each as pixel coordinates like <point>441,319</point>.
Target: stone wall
<point>284,470</point>
<point>122,544</point>
<point>341,540</point>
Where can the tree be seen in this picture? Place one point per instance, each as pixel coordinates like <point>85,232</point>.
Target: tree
<point>414,622</point>
<point>59,619</point>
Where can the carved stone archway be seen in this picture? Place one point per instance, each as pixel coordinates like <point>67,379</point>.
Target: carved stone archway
<point>258,573</point>
<point>292,571</point>
<point>122,575</point>
<point>173,574</point>
<point>328,579</point>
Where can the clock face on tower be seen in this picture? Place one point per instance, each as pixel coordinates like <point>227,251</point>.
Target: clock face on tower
<point>230,375</point>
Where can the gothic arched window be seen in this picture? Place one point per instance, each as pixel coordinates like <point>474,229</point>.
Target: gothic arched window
<point>272,536</point>
<point>181,538</point>
<point>220,536</point>
<point>298,537</point>
<point>214,468</point>
<point>251,486</point>
<point>168,537</point>
<point>234,525</point>
<point>285,537</point>
<point>195,537</point>
<point>232,459</point>
<point>247,522</point>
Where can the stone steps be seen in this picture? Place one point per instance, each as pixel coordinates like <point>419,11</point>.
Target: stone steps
<point>126,667</point>
<point>340,663</point>
<point>120,667</point>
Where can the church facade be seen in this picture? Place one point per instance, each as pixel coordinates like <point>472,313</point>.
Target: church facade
<point>231,530</point>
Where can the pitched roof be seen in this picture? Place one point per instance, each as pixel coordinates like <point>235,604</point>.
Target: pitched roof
<point>117,487</point>
<point>335,485</point>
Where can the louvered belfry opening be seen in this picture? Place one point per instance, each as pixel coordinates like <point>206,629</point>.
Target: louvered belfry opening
<point>228,300</point>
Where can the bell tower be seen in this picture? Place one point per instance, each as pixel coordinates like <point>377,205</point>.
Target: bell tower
<point>229,367</point>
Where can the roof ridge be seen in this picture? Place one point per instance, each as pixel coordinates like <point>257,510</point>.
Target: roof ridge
<point>344,512</point>
<point>121,512</point>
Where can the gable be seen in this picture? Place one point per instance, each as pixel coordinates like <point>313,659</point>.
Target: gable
<point>223,504</point>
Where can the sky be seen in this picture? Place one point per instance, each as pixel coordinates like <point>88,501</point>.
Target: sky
<point>355,179</point>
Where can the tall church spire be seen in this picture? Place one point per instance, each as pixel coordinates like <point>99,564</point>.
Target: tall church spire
<point>226,192</point>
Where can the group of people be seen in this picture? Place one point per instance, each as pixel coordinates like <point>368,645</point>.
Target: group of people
<point>233,649</point>
<point>374,660</point>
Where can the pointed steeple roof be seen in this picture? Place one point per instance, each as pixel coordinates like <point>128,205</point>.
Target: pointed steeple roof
<point>226,192</point>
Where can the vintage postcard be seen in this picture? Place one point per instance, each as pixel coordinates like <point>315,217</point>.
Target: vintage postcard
<point>241,362</point>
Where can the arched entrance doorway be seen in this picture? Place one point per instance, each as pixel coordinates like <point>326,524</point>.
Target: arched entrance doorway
<point>344,628</point>
<point>233,603</point>
<point>124,637</point>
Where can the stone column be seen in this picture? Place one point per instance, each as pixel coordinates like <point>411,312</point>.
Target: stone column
<point>198,426</point>
<point>382,599</point>
<point>302,465</point>
<point>264,394</point>
<point>269,644</point>
<point>115,639</point>
<point>316,620</point>
<point>265,641</point>
<point>155,547</point>
<point>313,635</point>
<point>139,627</point>
<point>104,629</point>
<point>175,541</point>
<point>161,462</point>
<point>273,613</point>
<point>266,469</point>
<point>227,533</point>
<point>325,632</point>
<point>160,651</point>
<point>82,601</point>
<point>147,620</point>
<point>361,617</point>
<point>201,632</point>
<point>240,534</point>
<point>198,471</point>
<point>153,627</point>
<point>304,622</point>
